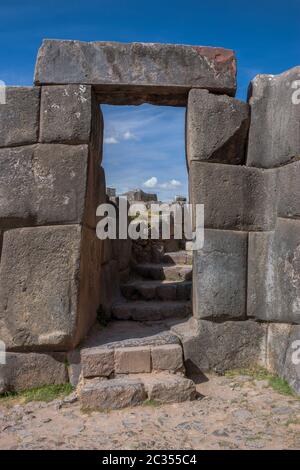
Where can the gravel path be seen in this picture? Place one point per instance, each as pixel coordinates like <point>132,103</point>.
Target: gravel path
<point>231,413</point>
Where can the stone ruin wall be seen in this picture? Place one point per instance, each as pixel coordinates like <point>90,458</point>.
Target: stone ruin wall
<point>57,276</point>
<point>246,279</point>
<point>243,166</point>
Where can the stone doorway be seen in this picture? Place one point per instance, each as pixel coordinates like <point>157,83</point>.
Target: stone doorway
<point>67,136</point>
<point>145,285</point>
<point>245,279</point>
<point>140,142</point>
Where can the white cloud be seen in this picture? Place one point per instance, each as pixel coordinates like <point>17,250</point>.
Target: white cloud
<point>171,184</point>
<point>111,140</point>
<point>129,136</point>
<point>175,183</point>
<point>151,182</point>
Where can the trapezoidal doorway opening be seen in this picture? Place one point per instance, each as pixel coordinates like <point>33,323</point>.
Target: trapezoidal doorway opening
<point>149,274</point>
<point>146,271</point>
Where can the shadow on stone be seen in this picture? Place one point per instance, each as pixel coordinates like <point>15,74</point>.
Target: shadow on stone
<point>194,373</point>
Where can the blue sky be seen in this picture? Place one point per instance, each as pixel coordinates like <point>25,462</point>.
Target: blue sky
<point>264,34</point>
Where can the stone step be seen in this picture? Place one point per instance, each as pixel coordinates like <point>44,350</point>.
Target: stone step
<point>151,310</point>
<point>108,362</point>
<point>162,290</point>
<point>122,392</point>
<point>104,394</point>
<point>169,388</point>
<point>178,257</point>
<point>123,334</point>
<point>176,272</point>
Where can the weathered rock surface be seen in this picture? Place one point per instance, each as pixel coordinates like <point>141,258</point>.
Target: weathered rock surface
<point>216,128</point>
<point>19,116</point>
<point>169,388</point>
<point>220,275</point>
<point>277,344</point>
<point>167,357</point>
<point>274,136</point>
<point>122,252</point>
<point>163,271</point>
<point>89,291</point>
<point>49,294</point>
<point>161,73</point>
<point>133,360</point>
<point>243,198</point>
<point>274,273</point>
<point>97,362</point>
<point>49,185</point>
<point>23,371</point>
<point>74,367</point>
<point>140,310</point>
<point>112,394</point>
<point>67,115</point>
<point>163,290</point>
<point>216,346</point>
<point>289,190</point>
<point>17,188</point>
<point>120,334</point>
<point>60,179</point>
<point>109,285</point>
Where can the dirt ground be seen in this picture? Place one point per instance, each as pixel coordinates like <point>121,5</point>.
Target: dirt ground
<point>230,413</point>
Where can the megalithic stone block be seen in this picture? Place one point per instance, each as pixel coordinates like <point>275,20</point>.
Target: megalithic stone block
<point>17,187</point>
<point>161,73</point>
<point>220,276</point>
<point>219,346</point>
<point>274,135</point>
<point>274,273</point>
<point>19,116</point>
<point>70,115</point>
<point>289,190</point>
<point>49,287</point>
<point>216,128</point>
<point>234,196</point>
<point>23,371</point>
<point>278,335</point>
<point>49,183</point>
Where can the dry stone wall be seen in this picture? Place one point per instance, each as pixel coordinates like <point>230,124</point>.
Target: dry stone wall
<point>49,192</point>
<point>52,263</point>
<point>274,268</point>
<point>56,276</point>
<point>249,266</point>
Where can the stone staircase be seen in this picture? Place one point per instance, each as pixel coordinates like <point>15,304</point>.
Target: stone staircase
<point>161,290</point>
<point>137,357</point>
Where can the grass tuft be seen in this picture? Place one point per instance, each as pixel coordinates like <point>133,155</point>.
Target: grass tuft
<point>259,373</point>
<point>152,403</point>
<point>281,386</point>
<point>46,393</point>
